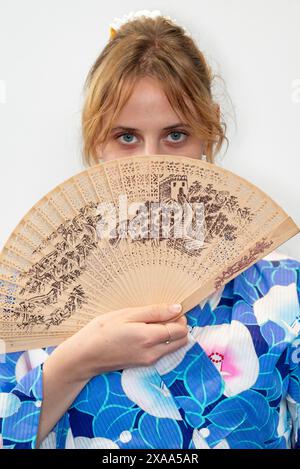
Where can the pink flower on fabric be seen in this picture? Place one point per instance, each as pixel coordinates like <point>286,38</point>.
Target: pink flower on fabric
<point>230,348</point>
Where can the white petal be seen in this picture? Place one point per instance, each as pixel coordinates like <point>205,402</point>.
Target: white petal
<point>49,442</point>
<point>29,360</point>
<point>70,444</point>
<point>280,305</point>
<point>82,442</point>
<point>9,404</point>
<point>234,341</point>
<point>199,441</point>
<point>144,386</point>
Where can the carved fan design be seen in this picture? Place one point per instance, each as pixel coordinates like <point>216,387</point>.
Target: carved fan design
<point>129,232</point>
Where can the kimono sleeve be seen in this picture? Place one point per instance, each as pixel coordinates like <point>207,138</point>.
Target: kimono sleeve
<point>21,394</point>
<point>293,392</point>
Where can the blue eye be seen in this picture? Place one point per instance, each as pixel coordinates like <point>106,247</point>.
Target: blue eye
<point>128,137</point>
<point>126,134</point>
<point>177,132</point>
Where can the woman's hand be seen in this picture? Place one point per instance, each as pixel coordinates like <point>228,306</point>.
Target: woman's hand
<point>112,341</point>
<point>121,339</point>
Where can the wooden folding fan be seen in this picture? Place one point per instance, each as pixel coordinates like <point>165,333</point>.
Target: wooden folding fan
<point>134,231</point>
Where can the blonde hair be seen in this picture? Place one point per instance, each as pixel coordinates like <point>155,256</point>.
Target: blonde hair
<point>158,48</point>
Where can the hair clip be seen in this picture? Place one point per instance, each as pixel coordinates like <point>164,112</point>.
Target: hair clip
<point>112,32</point>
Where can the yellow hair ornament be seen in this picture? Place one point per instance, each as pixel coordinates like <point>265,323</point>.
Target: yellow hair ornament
<point>112,32</point>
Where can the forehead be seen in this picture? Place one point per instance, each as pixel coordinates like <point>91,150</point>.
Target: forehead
<point>146,105</point>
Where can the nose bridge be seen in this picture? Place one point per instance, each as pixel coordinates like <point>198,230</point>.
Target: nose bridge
<point>151,146</point>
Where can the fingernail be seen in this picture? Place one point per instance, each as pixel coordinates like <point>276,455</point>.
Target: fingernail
<point>176,308</point>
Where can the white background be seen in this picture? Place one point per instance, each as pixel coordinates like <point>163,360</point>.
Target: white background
<point>47,48</point>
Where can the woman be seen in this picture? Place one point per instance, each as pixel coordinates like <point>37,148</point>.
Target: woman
<point>229,375</point>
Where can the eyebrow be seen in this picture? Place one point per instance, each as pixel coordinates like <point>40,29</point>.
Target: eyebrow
<point>132,129</point>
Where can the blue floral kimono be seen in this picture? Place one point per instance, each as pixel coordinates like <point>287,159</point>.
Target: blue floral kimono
<point>236,384</point>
